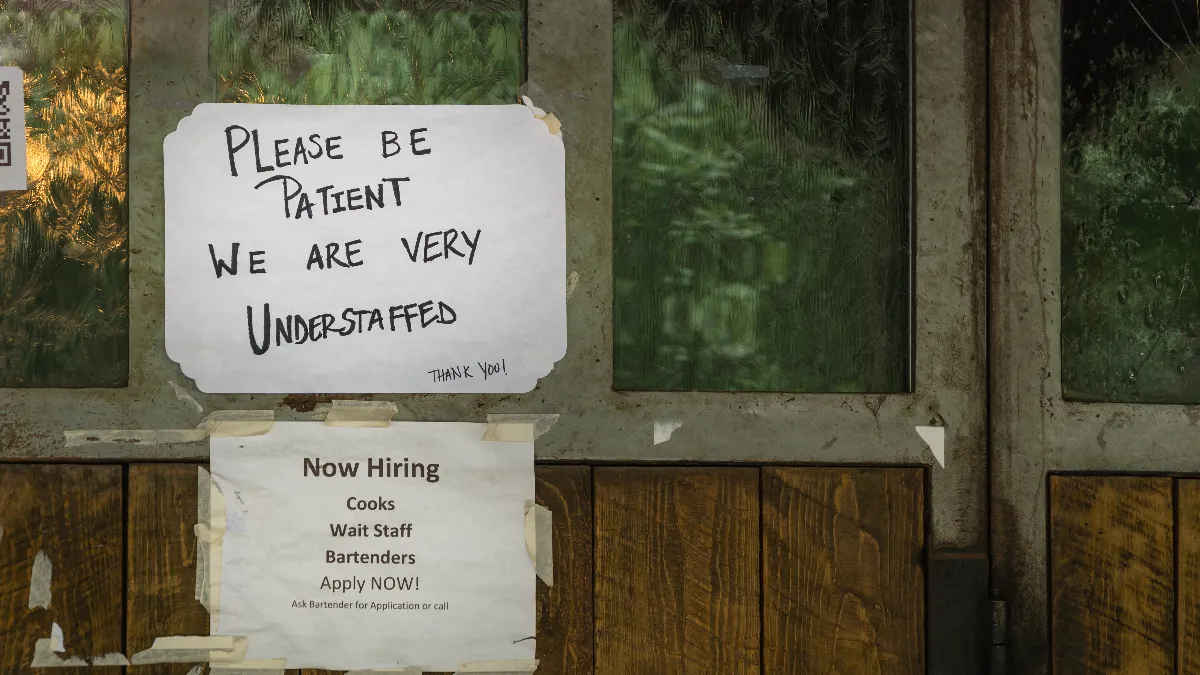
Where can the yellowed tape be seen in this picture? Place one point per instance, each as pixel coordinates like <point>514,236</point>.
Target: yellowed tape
<point>539,540</point>
<point>257,667</point>
<point>234,423</point>
<point>518,427</point>
<point>372,414</point>
<point>39,581</point>
<point>192,649</point>
<point>210,529</point>
<point>411,670</point>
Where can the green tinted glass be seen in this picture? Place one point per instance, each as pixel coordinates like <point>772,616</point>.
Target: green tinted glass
<point>761,195</point>
<point>1130,210</point>
<point>368,51</point>
<point>64,274</point>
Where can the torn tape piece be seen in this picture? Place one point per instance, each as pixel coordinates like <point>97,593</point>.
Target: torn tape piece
<point>39,582</point>
<point>370,414</point>
<point>45,657</point>
<point>530,90</point>
<point>411,670</point>
<point>192,649</point>
<point>515,427</point>
<point>549,118</point>
<point>539,540</point>
<point>572,284</point>
<point>110,659</point>
<point>257,667</point>
<point>203,500</point>
<point>664,429</point>
<point>234,423</point>
<point>182,395</point>
<point>77,437</point>
<point>56,638</point>
<point>513,666</point>
<point>197,669</point>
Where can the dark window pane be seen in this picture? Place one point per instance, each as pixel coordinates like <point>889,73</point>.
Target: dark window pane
<point>64,278</point>
<point>1130,210</point>
<point>368,51</point>
<point>761,185</point>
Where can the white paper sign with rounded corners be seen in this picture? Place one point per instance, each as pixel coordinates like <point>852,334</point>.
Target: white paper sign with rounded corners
<point>405,249</point>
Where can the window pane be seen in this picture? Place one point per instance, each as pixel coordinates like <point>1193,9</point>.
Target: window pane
<point>368,51</point>
<point>64,275</point>
<point>761,186</point>
<point>1130,210</point>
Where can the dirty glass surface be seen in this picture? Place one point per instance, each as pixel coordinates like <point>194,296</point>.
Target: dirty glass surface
<point>1130,210</point>
<point>64,275</point>
<point>761,195</point>
<point>368,51</point>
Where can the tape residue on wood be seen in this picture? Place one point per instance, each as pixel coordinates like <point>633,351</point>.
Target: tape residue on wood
<point>539,540</point>
<point>220,423</point>
<point>517,427</point>
<point>46,654</point>
<point>210,528</point>
<point>192,649</point>
<point>498,667</point>
<point>39,582</point>
<point>361,414</point>
<point>182,395</point>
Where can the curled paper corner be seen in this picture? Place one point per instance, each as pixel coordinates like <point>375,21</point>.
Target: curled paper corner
<point>498,667</point>
<point>182,395</point>
<point>664,429</point>
<point>572,284</point>
<point>39,582</point>
<point>519,427</point>
<point>935,438</point>
<point>539,540</point>
<point>372,414</point>
<point>549,118</point>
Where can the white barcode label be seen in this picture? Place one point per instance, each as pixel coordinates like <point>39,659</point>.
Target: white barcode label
<point>12,129</point>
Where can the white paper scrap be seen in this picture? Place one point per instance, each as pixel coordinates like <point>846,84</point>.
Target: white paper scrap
<point>417,249</point>
<point>353,537</point>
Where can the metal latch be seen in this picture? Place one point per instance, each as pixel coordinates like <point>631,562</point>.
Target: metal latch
<point>998,642</point>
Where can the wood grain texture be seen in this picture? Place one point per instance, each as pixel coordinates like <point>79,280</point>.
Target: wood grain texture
<point>677,571</point>
<point>161,592</point>
<point>1112,596</point>
<point>74,514</point>
<point>1187,575</point>
<point>843,571</point>
<point>564,622</point>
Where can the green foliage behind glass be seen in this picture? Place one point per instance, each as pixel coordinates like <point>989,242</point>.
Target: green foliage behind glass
<point>1131,238</point>
<point>761,215</point>
<point>63,261</point>
<point>367,52</point>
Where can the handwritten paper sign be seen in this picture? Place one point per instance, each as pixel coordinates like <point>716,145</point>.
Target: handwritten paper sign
<point>375,548</point>
<point>365,248</point>
<point>13,174</point>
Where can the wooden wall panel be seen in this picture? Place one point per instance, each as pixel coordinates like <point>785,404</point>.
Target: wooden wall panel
<point>843,571</point>
<point>74,514</point>
<point>677,571</point>
<point>564,623</point>
<point>161,592</point>
<point>1187,574</point>
<point>1112,597</point>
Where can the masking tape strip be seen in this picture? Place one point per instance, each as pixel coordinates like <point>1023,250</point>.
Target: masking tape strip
<point>110,659</point>
<point>411,670</point>
<point>539,540</point>
<point>493,667</point>
<point>220,423</point>
<point>361,414</point>
<point>210,529</point>
<point>39,582</point>
<point>45,655</point>
<point>192,649</point>
<point>518,427</point>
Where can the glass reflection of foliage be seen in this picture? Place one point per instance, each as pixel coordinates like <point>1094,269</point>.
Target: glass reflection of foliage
<point>761,195</point>
<point>1130,210</point>
<point>368,51</point>
<point>63,264</point>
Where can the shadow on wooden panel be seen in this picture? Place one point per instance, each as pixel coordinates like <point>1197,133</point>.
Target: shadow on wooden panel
<point>73,514</point>
<point>564,624</point>
<point>1187,575</point>
<point>677,571</point>
<point>1112,597</point>
<point>843,571</point>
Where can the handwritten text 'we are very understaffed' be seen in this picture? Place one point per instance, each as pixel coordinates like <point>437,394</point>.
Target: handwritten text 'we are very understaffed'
<point>267,161</point>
